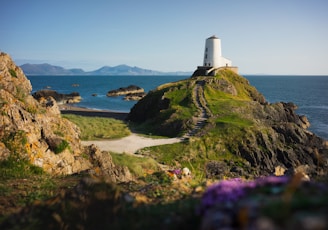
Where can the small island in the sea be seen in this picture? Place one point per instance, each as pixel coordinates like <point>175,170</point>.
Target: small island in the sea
<point>132,92</point>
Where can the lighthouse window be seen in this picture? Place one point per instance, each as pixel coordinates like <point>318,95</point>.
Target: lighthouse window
<point>206,49</point>
<point>205,56</point>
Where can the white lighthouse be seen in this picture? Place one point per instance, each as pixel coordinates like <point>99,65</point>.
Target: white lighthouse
<point>213,60</point>
<point>212,55</point>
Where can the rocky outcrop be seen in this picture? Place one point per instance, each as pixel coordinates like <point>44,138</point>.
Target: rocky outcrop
<point>45,94</point>
<point>132,92</point>
<point>257,135</point>
<point>35,131</point>
<point>134,96</point>
<point>285,141</point>
<point>104,166</point>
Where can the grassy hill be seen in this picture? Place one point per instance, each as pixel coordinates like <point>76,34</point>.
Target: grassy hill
<point>240,131</point>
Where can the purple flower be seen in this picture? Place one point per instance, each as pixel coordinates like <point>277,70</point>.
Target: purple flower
<point>230,191</point>
<point>271,180</point>
<point>176,171</point>
<point>226,191</point>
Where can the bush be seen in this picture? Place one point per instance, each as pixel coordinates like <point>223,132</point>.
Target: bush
<point>12,73</point>
<point>16,142</point>
<point>61,147</point>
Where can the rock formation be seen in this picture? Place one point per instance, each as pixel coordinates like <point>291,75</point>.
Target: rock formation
<point>241,134</point>
<point>132,92</point>
<point>35,131</point>
<point>60,98</point>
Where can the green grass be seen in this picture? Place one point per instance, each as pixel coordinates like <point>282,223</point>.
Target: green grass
<point>17,167</point>
<point>137,165</point>
<point>93,128</point>
<point>13,73</point>
<point>61,147</point>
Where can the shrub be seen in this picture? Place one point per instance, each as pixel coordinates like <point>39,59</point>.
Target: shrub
<point>18,167</point>
<point>12,73</point>
<point>61,147</point>
<point>16,142</point>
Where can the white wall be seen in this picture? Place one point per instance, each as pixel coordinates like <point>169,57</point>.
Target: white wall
<point>212,54</point>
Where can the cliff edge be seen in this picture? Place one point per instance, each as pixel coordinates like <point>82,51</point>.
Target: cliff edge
<point>34,130</point>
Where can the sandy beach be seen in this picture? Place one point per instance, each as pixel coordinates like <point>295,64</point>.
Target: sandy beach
<point>129,144</point>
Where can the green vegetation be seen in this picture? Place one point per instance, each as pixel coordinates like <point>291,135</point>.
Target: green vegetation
<point>20,94</point>
<point>18,167</point>
<point>93,128</point>
<point>16,142</point>
<point>155,198</point>
<point>13,73</point>
<point>225,129</point>
<point>177,112</point>
<point>61,147</point>
<point>139,166</point>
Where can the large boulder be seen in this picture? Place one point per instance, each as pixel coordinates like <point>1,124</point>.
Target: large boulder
<point>35,131</point>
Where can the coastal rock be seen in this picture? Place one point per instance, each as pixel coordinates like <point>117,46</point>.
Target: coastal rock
<point>134,96</point>
<point>132,92</point>
<point>35,131</point>
<point>238,122</point>
<point>60,98</point>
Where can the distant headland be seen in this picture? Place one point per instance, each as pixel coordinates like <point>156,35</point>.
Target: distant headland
<point>47,69</point>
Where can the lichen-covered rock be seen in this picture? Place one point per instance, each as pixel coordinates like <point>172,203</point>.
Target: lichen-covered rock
<point>35,130</point>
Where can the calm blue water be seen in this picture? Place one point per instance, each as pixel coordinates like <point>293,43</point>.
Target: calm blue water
<point>309,93</point>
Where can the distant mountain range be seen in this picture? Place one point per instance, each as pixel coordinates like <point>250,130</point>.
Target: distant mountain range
<point>47,69</point>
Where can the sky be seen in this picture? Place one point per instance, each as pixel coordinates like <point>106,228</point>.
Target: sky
<point>258,36</point>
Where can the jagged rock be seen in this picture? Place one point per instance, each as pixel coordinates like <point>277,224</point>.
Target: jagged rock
<point>134,96</point>
<point>104,166</point>
<point>36,131</point>
<point>239,122</point>
<point>130,90</point>
<point>60,98</point>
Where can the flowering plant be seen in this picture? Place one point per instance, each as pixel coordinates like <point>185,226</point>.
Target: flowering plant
<point>230,191</point>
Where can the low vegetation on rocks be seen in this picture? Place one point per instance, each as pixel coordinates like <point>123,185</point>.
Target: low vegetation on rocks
<point>221,176</point>
<point>240,131</point>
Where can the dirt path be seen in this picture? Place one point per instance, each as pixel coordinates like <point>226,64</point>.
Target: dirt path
<point>130,144</point>
<point>204,111</point>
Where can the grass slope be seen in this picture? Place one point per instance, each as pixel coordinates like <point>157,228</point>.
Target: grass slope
<point>93,128</point>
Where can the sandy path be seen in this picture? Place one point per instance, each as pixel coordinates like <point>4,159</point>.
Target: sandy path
<point>130,144</point>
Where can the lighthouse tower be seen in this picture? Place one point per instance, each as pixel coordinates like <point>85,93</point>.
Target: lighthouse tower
<point>213,60</point>
<point>212,55</point>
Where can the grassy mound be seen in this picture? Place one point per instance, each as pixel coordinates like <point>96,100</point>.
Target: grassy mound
<point>93,128</point>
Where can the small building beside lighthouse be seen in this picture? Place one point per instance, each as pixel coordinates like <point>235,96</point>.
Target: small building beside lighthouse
<point>213,60</point>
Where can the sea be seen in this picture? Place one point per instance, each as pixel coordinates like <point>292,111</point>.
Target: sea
<point>309,93</point>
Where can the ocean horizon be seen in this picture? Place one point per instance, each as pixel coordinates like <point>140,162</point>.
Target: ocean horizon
<point>308,92</point>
